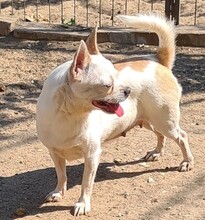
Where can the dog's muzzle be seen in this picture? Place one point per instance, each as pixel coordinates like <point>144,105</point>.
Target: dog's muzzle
<point>111,106</point>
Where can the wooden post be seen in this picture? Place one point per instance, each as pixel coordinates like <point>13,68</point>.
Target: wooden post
<point>172,10</point>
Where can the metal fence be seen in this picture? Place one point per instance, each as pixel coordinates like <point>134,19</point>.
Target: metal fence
<point>90,12</point>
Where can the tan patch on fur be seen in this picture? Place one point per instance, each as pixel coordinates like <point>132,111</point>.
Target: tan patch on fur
<point>166,82</point>
<point>138,66</point>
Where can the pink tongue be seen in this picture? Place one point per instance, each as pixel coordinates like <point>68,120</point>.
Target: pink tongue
<point>119,111</point>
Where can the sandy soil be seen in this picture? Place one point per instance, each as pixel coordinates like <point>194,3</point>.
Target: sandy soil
<point>125,188</point>
<point>59,9</point>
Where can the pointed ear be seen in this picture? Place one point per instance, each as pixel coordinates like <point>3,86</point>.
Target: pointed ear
<point>91,42</point>
<point>81,60</point>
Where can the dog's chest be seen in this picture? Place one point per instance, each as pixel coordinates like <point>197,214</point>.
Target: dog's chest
<point>60,132</point>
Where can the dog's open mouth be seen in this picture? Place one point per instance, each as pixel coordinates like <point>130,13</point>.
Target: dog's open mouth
<point>113,108</point>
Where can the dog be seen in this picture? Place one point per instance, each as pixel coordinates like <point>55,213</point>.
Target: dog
<point>88,100</point>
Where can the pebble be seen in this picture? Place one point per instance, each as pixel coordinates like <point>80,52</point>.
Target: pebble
<point>154,200</point>
<point>150,180</point>
<point>2,88</point>
<point>119,215</point>
<point>168,208</point>
<point>144,164</point>
<point>125,194</point>
<point>20,211</point>
<point>117,161</point>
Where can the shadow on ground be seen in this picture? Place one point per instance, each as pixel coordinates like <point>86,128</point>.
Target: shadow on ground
<point>12,96</point>
<point>30,188</point>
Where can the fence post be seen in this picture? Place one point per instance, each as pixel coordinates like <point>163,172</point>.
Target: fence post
<point>172,10</point>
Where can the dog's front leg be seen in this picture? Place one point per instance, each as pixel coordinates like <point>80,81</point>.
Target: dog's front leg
<point>60,166</point>
<point>82,207</point>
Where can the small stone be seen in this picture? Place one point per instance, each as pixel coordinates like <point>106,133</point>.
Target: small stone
<point>2,87</point>
<point>29,19</point>
<point>150,180</point>
<point>125,194</point>
<point>154,200</point>
<point>119,215</point>
<point>117,161</point>
<point>197,123</point>
<point>168,208</point>
<point>144,164</point>
<point>20,211</point>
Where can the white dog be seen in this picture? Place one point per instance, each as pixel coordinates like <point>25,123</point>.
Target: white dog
<point>88,101</point>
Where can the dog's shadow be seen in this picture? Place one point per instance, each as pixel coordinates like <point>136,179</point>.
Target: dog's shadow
<point>27,190</point>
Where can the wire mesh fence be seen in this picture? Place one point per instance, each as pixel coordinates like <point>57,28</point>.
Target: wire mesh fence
<point>90,12</point>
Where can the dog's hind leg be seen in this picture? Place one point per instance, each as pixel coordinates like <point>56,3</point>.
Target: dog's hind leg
<point>154,155</point>
<point>60,166</point>
<point>188,159</point>
<point>82,207</point>
<point>181,138</point>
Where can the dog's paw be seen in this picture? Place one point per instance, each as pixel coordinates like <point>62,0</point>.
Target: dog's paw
<point>81,208</point>
<point>152,156</point>
<point>53,197</point>
<point>185,166</point>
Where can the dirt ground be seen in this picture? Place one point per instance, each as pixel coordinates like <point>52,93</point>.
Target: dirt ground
<point>98,10</point>
<point>125,188</point>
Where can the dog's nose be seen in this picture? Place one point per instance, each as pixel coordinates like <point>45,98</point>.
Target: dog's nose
<point>127,91</point>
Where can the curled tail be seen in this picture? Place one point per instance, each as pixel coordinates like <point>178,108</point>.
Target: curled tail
<point>163,28</point>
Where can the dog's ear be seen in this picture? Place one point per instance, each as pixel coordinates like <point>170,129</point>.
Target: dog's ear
<point>91,42</point>
<point>81,60</point>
